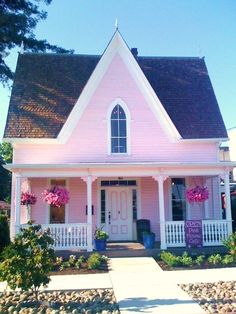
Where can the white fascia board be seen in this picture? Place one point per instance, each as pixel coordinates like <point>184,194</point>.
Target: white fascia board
<point>15,141</point>
<point>84,165</point>
<point>118,45</point>
<point>203,140</point>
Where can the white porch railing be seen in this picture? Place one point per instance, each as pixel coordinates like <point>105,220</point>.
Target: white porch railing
<point>68,236</point>
<point>214,232</point>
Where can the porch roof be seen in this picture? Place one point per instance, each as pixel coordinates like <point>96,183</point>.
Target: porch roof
<point>122,168</point>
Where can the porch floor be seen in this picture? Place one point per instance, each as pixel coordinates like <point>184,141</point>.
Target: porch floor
<point>136,249</point>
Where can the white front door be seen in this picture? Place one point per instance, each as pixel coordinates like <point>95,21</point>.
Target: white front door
<point>119,214</point>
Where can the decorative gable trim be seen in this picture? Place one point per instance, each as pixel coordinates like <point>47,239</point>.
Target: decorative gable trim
<point>118,45</point>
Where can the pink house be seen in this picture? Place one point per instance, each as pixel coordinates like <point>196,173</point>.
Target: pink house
<point>126,135</point>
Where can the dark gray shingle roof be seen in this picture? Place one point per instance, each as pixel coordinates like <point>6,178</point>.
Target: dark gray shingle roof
<point>47,86</point>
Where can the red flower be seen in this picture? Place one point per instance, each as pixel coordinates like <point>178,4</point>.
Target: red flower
<point>28,198</point>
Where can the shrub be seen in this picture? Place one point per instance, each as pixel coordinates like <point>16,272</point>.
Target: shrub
<point>94,261</point>
<point>80,261</point>
<point>169,258</point>
<point>199,260</point>
<point>4,232</point>
<point>230,244</point>
<point>214,259</point>
<point>228,259</point>
<point>186,260</point>
<point>72,260</point>
<point>28,260</point>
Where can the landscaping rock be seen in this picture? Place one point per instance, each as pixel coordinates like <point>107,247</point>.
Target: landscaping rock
<point>58,302</point>
<point>219,297</point>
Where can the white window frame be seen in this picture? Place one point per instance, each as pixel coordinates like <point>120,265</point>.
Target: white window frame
<point>118,101</point>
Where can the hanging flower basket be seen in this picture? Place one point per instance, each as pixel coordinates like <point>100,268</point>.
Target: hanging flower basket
<point>28,198</point>
<point>57,196</point>
<point>197,194</point>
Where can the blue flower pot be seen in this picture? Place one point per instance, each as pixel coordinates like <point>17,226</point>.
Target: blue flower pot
<point>148,240</point>
<point>100,244</point>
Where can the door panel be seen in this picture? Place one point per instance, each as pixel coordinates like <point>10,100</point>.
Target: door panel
<point>119,210</point>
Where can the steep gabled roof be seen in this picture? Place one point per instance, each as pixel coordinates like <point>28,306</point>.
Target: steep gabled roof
<point>47,86</point>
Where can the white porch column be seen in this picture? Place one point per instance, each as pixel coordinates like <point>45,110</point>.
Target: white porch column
<point>161,179</point>
<point>89,213</point>
<point>228,201</point>
<point>17,203</point>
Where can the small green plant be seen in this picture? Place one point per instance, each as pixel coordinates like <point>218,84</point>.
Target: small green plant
<point>94,261</point>
<point>228,259</point>
<point>72,260</point>
<point>59,260</point>
<point>4,232</point>
<point>199,260</point>
<point>186,260</point>
<point>169,258</point>
<point>230,244</point>
<point>214,259</point>
<point>28,260</point>
<point>100,234</point>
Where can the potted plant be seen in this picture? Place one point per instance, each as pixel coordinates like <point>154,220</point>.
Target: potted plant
<point>100,239</point>
<point>148,239</point>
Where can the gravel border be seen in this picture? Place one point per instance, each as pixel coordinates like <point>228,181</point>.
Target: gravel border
<point>217,297</point>
<point>59,302</point>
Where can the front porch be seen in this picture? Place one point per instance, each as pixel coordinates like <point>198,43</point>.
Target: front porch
<point>115,196</point>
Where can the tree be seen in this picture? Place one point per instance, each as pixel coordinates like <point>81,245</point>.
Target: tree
<point>18,19</point>
<point>28,260</point>
<point>5,175</point>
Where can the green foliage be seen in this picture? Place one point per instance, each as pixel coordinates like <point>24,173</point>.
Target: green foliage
<point>199,260</point>
<point>72,260</point>
<point>6,151</point>
<point>185,260</point>
<point>18,20</point>
<point>230,244</point>
<point>214,259</point>
<point>169,258</point>
<point>4,232</point>
<point>228,259</point>
<point>80,261</point>
<point>94,261</point>
<point>28,260</point>
<point>5,175</point>
<point>99,234</point>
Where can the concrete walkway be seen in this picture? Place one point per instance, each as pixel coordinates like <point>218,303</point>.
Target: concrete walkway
<point>140,285</point>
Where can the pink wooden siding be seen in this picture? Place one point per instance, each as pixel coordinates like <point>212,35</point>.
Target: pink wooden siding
<point>149,204</point>
<point>89,139</point>
<point>76,205</point>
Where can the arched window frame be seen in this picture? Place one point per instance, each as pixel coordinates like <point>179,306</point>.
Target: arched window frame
<point>120,102</point>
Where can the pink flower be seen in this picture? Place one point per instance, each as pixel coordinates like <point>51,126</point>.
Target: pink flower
<point>56,196</point>
<point>197,194</point>
<point>28,198</point>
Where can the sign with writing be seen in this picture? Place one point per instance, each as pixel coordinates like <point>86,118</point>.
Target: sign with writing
<point>193,233</point>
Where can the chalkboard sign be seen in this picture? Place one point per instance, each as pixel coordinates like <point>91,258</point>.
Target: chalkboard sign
<point>193,233</point>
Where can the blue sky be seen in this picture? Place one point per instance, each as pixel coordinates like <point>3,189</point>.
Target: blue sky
<point>157,28</point>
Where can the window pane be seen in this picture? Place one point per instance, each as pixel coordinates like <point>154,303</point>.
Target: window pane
<point>114,128</point>
<point>114,145</point>
<point>122,146</point>
<point>178,199</point>
<point>103,206</point>
<point>57,214</point>
<point>134,204</point>
<point>121,113</point>
<point>122,128</point>
<point>114,114</point>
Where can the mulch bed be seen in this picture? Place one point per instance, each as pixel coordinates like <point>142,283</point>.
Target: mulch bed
<point>80,271</point>
<point>205,265</point>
